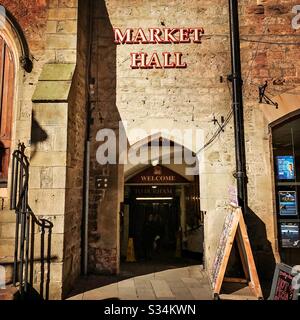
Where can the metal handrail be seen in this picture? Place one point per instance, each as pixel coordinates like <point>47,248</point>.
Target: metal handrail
<point>26,222</point>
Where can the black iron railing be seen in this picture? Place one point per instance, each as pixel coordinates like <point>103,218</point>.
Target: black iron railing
<point>31,233</point>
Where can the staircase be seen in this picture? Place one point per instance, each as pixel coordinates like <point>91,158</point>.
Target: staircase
<point>25,240</point>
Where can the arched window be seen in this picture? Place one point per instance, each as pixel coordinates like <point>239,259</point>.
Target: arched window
<point>7,85</point>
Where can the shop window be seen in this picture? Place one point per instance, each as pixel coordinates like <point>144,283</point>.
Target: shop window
<point>286,150</point>
<point>7,77</point>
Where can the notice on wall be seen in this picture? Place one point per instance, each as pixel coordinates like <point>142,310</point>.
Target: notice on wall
<point>288,203</point>
<point>290,235</point>
<point>285,168</point>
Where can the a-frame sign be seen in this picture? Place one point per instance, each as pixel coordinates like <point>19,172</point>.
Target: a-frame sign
<point>235,230</point>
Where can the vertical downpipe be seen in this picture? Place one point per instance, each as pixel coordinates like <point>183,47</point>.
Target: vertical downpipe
<point>237,101</point>
<point>86,191</point>
<point>86,207</point>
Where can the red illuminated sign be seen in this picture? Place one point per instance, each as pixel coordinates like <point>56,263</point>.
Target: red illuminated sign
<point>142,60</point>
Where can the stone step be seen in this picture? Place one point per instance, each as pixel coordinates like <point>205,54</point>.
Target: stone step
<point>7,247</point>
<point>8,264</point>
<point>10,293</point>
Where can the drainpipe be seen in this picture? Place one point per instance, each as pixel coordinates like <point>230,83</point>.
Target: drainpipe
<point>237,100</point>
<point>86,191</point>
<point>86,209</point>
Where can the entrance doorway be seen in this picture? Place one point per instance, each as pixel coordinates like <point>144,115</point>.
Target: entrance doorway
<point>161,216</point>
<point>154,222</point>
<point>286,151</point>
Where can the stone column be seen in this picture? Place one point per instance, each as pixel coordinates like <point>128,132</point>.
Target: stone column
<point>56,166</point>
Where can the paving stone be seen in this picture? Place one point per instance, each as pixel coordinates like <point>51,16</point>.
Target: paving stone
<point>182,294</point>
<point>175,283</point>
<point>142,284</point>
<point>200,294</point>
<point>145,294</point>
<point>191,282</point>
<point>161,289</point>
<point>78,297</point>
<point>126,284</point>
<point>107,292</point>
<point>127,293</point>
<point>159,286</point>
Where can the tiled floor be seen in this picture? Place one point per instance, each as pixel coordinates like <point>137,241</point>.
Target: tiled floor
<point>186,283</point>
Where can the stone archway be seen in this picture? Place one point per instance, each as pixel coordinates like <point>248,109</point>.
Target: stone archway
<point>288,108</point>
<point>161,148</point>
<point>279,121</point>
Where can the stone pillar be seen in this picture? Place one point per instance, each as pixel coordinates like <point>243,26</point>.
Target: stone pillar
<point>57,143</point>
<point>104,215</point>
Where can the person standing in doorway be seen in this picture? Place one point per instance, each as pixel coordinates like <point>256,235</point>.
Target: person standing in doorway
<point>148,237</point>
<point>158,228</point>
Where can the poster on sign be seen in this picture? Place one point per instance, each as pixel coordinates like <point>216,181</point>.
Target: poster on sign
<point>285,167</point>
<point>283,285</point>
<point>290,235</point>
<point>287,203</point>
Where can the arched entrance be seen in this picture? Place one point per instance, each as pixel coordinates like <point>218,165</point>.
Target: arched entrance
<point>161,211</point>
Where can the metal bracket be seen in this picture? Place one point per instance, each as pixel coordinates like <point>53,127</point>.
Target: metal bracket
<point>263,98</point>
<point>216,121</point>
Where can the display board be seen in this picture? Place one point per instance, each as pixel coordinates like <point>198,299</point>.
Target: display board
<point>234,229</point>
<point>283,286</point>
<point>290,234</point>
<point>287,203</point>
<point>285,167</point>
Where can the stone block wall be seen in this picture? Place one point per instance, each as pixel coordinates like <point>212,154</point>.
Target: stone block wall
<point>52,131</point>
<point>51,122</point>
<point>170,98</point>
<point>53,126</point>
<point>278,64</point>
<point>76,137</point>
<point>191,97</point>
<point>60,99</point>
<point>104,246</point>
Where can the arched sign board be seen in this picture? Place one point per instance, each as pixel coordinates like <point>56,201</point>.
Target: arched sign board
<point>234,230</point>
<point>283,286</point>
<point>158,175</point>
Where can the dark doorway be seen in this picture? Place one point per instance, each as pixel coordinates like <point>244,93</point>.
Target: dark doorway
<point>286,150</point>
<point>161,220</point>
<point>154,226</point>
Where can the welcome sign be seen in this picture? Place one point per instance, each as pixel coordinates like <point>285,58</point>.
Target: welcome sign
<point>143,60</point>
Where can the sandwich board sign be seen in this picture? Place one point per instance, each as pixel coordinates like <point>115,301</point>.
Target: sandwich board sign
<point>285,284</point>
<point>234,230</point>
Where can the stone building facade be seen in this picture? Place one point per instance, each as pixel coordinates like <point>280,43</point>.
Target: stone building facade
<point>82,82</point>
